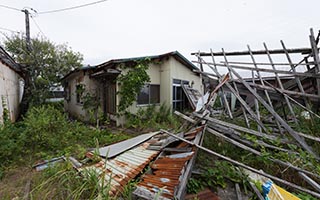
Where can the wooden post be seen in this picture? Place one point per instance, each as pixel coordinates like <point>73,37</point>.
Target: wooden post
<point>261,81</point>
<point>245,166</point>
<point>293,68</point>
<point>256,103</point>
<point>276,116</point>
<point>226,104</point>
<point>280,85</point>
<point>316,58</point>
<point>236,88</point>
<point>245,105</point>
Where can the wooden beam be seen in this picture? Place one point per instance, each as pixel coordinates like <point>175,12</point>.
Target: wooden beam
<point>259,52</point>
<point>256,190</point>
<point>303,144</point>
<point>315,53</point>
<point>294,70</point>
<point>243,129</point>
<point>311,182</point>
<point>292,185</point>
<point>243,102</point>
<point>280,84</point>
<point>237,91</point>
<point>269,64</point>
<point>189,119</point>
<point>290,73</point>
<point>240,145</point>
<point>224,98</point>
<point>261,81</point>
<point>293,93</point>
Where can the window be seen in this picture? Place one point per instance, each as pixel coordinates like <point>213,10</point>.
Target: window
<point>79,93</point>
<point>149,94</point>
<point>179,99</point>
<point>67,92</point>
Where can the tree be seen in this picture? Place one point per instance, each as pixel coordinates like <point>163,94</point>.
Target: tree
<point>43,66</point>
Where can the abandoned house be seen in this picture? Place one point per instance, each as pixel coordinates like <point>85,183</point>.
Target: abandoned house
<point>168,73</point>
<point>11,87</point>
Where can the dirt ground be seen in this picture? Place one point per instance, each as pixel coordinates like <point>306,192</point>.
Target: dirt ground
<point>16,183</point>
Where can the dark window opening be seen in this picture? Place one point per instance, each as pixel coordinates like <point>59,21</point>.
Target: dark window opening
<point>149,94</point>
<point>179,99</point>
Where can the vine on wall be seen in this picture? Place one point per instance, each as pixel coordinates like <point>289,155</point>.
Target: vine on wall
<point>132,82</point>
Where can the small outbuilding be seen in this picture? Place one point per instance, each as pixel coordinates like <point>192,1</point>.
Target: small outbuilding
<point>11,87</point>
<point>168,73</point>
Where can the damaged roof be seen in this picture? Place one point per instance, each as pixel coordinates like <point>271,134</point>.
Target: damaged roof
<point>183,60</point>
<point>178,56</point>
<point>7,60</point>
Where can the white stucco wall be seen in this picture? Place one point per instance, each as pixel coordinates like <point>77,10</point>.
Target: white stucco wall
<point>10,92</point>
<point>72,107</point>
<point>164,74</point>
<point>161,74</point>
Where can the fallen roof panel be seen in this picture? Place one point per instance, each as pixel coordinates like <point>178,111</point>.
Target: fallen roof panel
<point>116,149</point>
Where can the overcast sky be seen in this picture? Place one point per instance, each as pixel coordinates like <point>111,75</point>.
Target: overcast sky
<point>130,28</point>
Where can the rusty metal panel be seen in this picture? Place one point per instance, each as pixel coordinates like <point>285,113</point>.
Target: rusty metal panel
<point>168,171</point>
<point>120,169</point>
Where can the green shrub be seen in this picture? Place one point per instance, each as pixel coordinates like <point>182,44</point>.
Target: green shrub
<point>45,132</point>
<point>152,117</point>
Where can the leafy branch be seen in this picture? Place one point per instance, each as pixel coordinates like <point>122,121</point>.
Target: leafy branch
<point>132,82</point>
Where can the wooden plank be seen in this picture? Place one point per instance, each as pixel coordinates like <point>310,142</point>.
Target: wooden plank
<point>311,182</point>
<point>296,102</point>
<point>238,191</point>
<point>292,185</point>
<point>243,129</point>
<point>300,140</point>
<point>225,101</point>
<point>258,52</point>
<point>237,91</point>
<point>269,64</point>
<point>294,70</point>
<point>188,169</point>
<point>189,119</point>
<point>256,190</point>
<point>315,53</point>
<point>256,103</point>
<point>297,74</point>
<point>240,145</point>
<point>293,93</point>
<point>261,81</point>
<point>243,102</point>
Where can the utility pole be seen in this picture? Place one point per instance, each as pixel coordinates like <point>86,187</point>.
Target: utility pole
<point>26,69</point>
<point>26,12</point>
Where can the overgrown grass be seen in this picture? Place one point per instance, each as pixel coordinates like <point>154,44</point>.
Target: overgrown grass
<point>153,117</point>
<point>45,132</point>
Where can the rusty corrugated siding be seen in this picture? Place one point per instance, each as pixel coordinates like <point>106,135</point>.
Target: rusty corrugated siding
<point>119,170</point>
<point>167,171</point>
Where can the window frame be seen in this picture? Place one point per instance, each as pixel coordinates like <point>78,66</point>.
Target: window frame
<point>149,96</point>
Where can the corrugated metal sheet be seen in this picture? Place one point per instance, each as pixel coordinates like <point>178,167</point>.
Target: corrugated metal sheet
<point>167,171</point>
<point>115,149</point>
<point>119,170</point>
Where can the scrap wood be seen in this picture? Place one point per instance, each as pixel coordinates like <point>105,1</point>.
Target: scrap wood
<point>246,130</point>
<point>311,182</point>
<point>277,116</point>
<point>258,153</point>
<point>292,185</point>
<point>250,111</point>
<point>237,136</point>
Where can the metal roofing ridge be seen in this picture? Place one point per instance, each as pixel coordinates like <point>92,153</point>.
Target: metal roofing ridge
<point>172,53</point>
<point>83,68</point>
<point>13,64</point>
<point>125,145</point>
